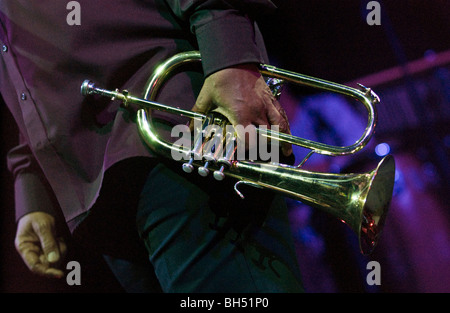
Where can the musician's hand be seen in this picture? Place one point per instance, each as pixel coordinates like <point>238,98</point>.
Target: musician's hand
<point>241,94</point>
<point>38,246</point>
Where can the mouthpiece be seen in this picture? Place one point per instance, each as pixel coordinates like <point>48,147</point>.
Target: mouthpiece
<point>87,87</point>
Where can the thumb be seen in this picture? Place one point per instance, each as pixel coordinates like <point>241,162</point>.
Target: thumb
<point>202,105</point>
<point>49,244</point>
<point>204,100</point>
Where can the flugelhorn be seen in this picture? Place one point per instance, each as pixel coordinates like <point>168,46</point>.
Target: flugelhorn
<point>359,200</point>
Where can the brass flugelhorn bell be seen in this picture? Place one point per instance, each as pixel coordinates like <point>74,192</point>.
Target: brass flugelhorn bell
<point>359,200</point>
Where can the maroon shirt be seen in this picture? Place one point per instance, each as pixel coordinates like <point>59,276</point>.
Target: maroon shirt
<point>67,141</point>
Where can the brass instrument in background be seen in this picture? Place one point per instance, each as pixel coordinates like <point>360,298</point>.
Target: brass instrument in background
<point>359,200</point>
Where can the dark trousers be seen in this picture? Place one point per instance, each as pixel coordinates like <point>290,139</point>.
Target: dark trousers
<point>198,234</point>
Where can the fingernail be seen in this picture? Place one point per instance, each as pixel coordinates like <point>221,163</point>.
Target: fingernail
<point>52,257</point>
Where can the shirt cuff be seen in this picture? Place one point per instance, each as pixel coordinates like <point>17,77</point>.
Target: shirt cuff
<point>32,195</point>
<point>228,41</point>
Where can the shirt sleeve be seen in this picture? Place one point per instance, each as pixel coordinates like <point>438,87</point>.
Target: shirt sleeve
<point>32,192</point>
<point>226,31</point>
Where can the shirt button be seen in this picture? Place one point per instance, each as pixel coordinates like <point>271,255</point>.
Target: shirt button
<point>23,96</point>
<point>4,48</point>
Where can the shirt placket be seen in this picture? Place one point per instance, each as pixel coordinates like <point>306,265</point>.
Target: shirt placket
<point>35,129</point>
